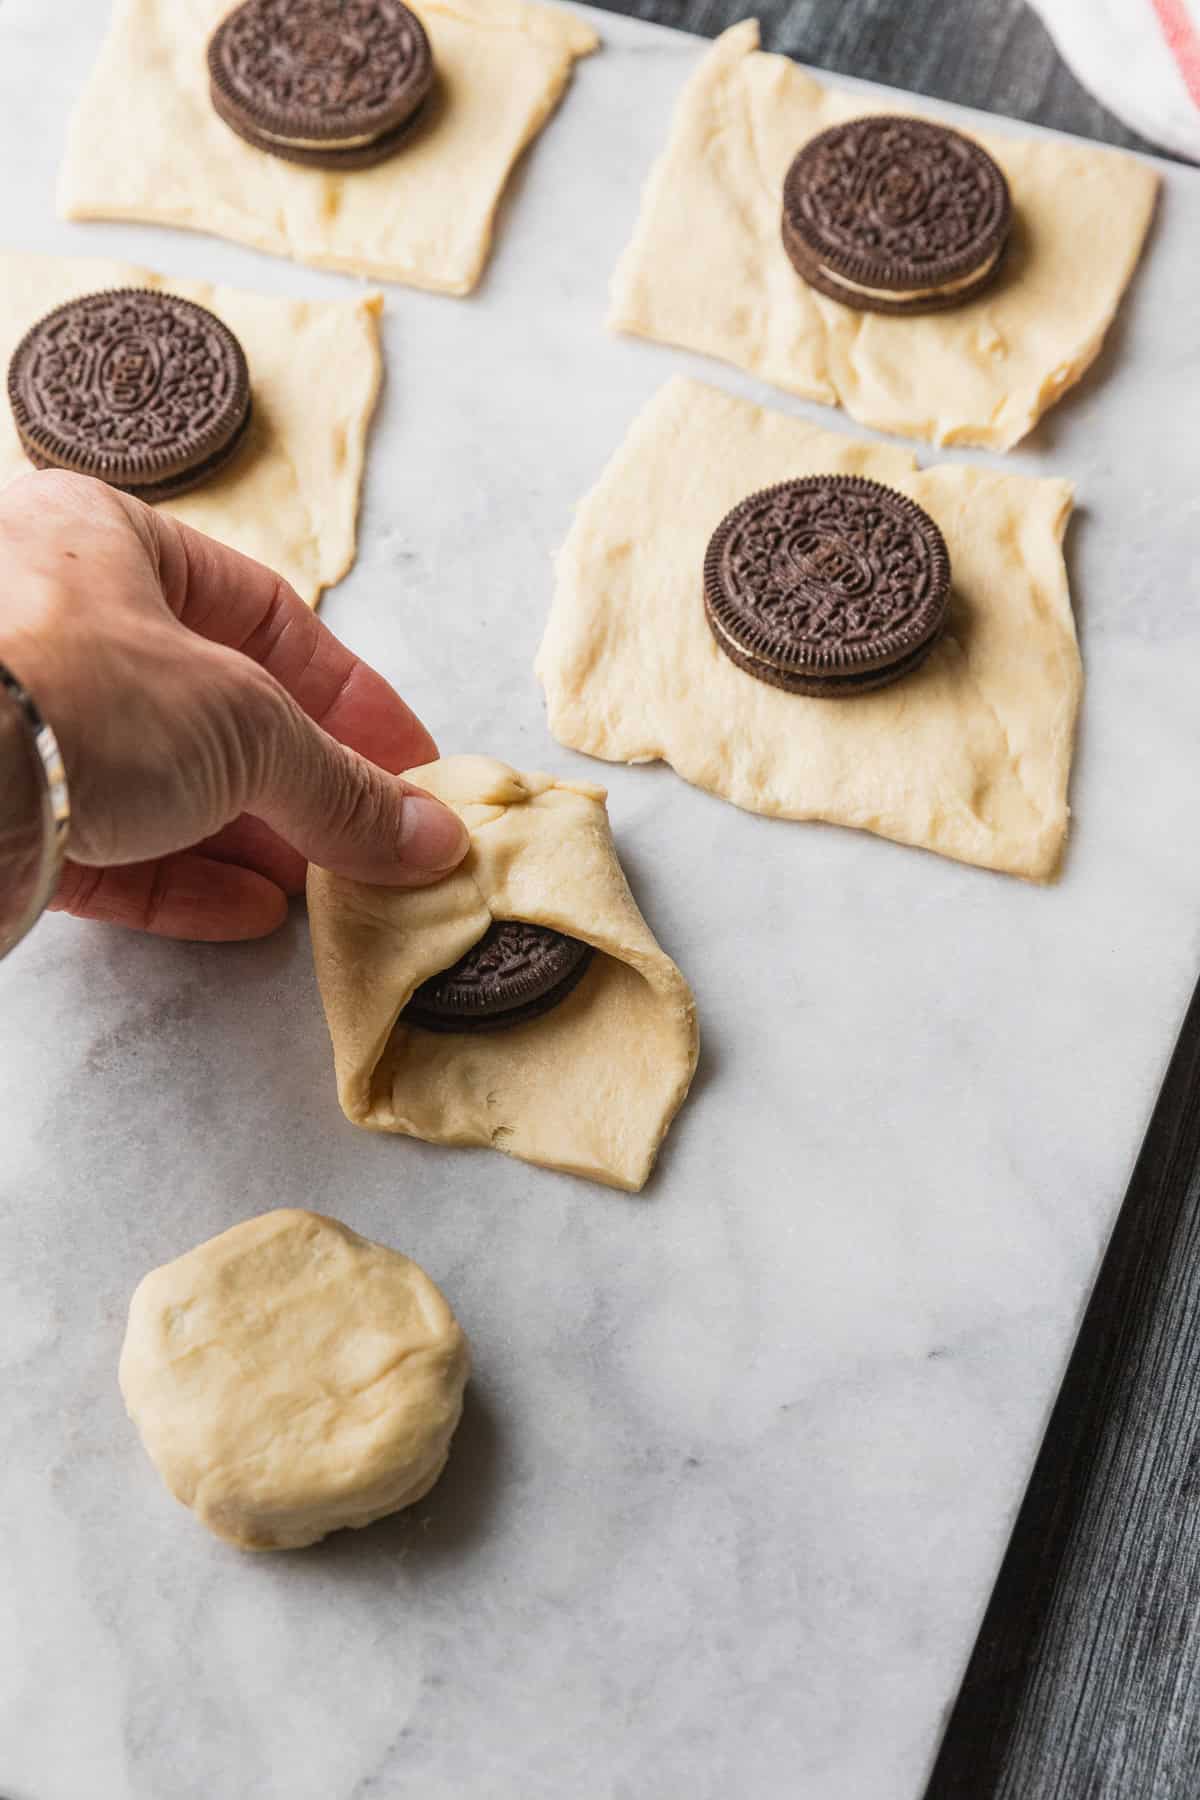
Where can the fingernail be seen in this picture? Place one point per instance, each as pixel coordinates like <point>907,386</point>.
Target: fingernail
<point>432,837</point>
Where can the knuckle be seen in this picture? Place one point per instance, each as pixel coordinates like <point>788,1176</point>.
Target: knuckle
<point>358,808</point>
<point>275,624</point>
<point>254,723</point>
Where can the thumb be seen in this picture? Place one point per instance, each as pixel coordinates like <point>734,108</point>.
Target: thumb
<point>336,808</point>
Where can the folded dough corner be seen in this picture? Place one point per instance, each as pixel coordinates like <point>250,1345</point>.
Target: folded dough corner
<point>590,1087</point>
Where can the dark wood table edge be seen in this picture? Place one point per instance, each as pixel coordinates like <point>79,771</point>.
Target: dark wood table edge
<point>1103,1391</point>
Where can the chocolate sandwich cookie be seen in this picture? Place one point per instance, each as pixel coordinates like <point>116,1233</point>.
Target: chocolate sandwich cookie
<point>146,391</point>
<point>515,972</point>
<point>831,585</point>
<point>895,215</point>
<point>332,84</point>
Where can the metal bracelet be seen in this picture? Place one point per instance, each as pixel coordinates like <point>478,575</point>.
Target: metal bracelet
<point>35,812</point>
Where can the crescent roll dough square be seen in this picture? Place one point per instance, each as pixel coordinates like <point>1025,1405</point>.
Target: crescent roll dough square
<point>968,756</point>
<point>145,143</point>
<point>706,268</point>
<point>591,1086</point>
<point>290,495</point>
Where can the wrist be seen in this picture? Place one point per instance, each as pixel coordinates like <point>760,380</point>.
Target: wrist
<point>34,809</point>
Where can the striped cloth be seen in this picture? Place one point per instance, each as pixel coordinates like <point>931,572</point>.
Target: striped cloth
<point>1140,58</point>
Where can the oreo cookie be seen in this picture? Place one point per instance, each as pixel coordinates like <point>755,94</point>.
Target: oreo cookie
<point>895,215</point>
<point>332,84</point>
<point>146,391</point>
<point>829,586</point>
<point>515,972</point>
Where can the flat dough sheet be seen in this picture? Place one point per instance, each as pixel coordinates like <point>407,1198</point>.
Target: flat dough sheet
<point>591,1087</point>
<point>145,143</point>
<point>290,496</point>
<point>968,756</point>
<point>706,269</point>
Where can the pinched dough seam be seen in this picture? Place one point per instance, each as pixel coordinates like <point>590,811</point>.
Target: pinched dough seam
<point>384,1074</point>
<point>498,1133</point>
<point>323,1399</point>
<point>427,1473</point>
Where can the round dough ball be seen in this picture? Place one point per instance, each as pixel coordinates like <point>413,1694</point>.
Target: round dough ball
<point>289,1377</point>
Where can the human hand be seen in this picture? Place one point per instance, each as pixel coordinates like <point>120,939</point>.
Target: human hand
<point>215,735</point>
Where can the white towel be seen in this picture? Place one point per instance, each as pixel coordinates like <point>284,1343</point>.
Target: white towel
<point>1140,58</point>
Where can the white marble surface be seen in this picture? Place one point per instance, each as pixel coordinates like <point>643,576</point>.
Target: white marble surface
<point>741,1455</point>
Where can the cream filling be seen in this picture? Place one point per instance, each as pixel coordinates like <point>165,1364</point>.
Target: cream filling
<point>949,287</point>
<point>292,143</point>
<point>761,657</point>
<point>789,668</point>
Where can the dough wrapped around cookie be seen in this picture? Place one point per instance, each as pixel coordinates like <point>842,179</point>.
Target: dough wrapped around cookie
<point>590,1087</point>
<point>289,1378</point>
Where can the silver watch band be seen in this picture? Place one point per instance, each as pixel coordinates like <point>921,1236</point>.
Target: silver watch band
<point>35,812</point>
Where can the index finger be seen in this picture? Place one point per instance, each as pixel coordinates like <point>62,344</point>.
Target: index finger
<point>231,599</point>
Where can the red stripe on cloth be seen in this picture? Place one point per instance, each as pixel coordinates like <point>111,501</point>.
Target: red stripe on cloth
<point>1182,41</point>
